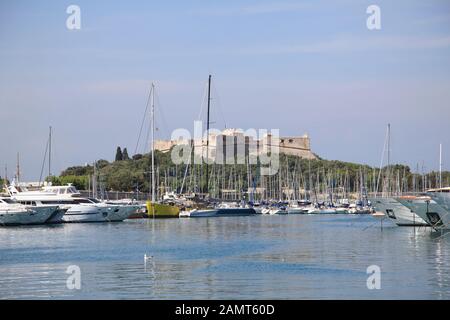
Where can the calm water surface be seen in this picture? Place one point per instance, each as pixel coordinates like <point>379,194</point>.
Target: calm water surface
<point>261,257</point>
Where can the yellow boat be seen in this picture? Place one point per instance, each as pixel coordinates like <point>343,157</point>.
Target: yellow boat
<point>159,210</point>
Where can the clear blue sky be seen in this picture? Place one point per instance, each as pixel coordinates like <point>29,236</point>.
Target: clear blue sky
<point>300,66</point>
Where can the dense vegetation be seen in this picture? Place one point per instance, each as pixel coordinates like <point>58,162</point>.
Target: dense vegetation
<point>2,182</point>
<point>301,176</point>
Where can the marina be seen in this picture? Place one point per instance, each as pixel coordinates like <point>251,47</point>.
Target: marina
<point>234,250</point>
<point>241,150</point>
<point>201,230</point>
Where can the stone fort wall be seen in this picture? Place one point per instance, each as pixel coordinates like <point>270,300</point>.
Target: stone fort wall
<point>295,145</point>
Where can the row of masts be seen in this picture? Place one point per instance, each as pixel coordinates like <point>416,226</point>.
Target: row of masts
<point>294,181</point>
<point>235,182</point>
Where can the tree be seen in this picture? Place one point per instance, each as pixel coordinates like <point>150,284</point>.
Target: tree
<point>137,156</point>
<point>125,154</point>
<point>102,163</point>
<point>119,155</point>
<point>79,182</point>
<point>78,171</point>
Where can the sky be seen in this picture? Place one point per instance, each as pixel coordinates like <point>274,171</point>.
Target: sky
<point>299,66</point>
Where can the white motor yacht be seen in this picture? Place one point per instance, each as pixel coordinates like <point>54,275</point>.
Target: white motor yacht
<point>434,207</point>
<point>397,212</point>
<point>13,213</point>
<point>78,209</point>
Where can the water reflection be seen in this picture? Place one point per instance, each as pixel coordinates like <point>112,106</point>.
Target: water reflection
<point>281,257</point>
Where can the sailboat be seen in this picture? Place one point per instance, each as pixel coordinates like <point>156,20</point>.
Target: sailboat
<point>223,210</point>
<point>155,209</point>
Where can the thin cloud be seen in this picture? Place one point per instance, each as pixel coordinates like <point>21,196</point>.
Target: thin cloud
<point>256,9</point>
<point>139,87</point>
<point>351,44</point>
<point>433,20</point>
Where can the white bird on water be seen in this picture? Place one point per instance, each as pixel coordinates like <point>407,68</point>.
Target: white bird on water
<point>146,257</point>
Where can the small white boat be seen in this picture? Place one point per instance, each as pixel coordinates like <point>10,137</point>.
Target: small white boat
<point>378,214</point>
<point>273,211</point>
<point>342,210</point>
<point>327,211</point>
<point>270,210</point>
<point>258,209</point>
<point>296,210</point>
<point>185,213</point>
<point>218,212</point>
<point>312,210</point>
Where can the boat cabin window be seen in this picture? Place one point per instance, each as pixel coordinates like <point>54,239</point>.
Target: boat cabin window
<point>9,201</point>
<point>57,202</point>
<point>72,190</point>
<point>62,190</point>
<point>28,203</point>
<point>82,200</point>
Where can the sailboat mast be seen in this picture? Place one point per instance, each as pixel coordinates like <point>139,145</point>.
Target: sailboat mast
<point>153,142</point>
<point>18,168</point>
<point>389,158</point>
<point>6,176</point>
<point>389,145</point>
<point>440,165</point>
<point>49,153</point>
<point>207,134</point>
<point>94,181</point>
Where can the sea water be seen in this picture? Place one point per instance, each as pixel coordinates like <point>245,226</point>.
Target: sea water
<point>256,257</point>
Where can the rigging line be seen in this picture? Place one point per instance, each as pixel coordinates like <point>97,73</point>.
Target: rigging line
<point>149,130</point>
<point>186,169</point>
<point>381,164</point>
<point>205,93</point>
<point>147,140</point>
<point>143,121</point>
<point>164,126</point>
<point>219,105</point>
<point>43,162</point>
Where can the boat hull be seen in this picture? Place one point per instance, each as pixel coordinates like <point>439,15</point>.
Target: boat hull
<point>31,216</point>
<point>159,210</point>
<point>296,210</point>
<point>327,211</point>
<point>397,212</point>
<point>425,208</point>
<point>258,210</point>
<point>223,212</point>
<point>442,199</point>
<point>93,213</point>
<point>57,216</point>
